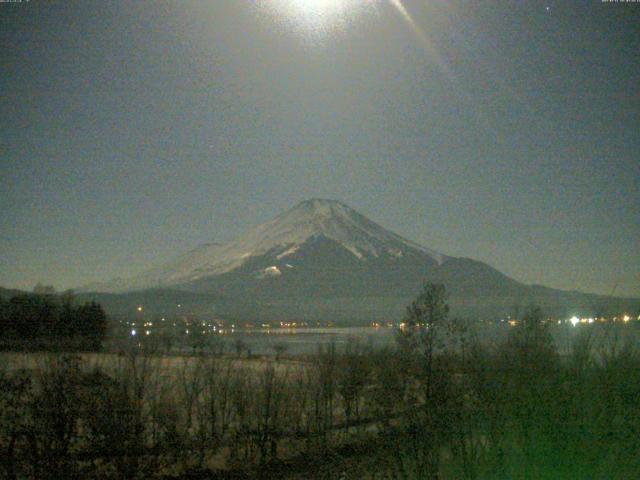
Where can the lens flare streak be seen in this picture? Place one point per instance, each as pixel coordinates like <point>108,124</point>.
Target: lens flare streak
<point>420,34</point>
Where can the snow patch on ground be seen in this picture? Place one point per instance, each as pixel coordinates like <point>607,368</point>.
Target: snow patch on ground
<point>272,271</point>
<point>288,252</point>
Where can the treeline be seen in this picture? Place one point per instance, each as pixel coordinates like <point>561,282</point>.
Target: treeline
<point>439,405</point>
<point>47,320</point>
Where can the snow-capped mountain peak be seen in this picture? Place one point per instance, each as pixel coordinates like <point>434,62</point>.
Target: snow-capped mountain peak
<point>282,237</point>
<point>333,220</point>
<point>323,260</point>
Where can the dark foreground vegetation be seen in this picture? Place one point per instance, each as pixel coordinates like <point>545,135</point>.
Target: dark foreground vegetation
<point>46,321</point>
<point>437,405</point>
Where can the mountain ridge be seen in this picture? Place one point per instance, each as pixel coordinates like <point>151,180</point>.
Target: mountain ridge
<point>323,259</point>
<point>286,232</point>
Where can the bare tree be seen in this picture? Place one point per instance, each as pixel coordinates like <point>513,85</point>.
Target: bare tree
<point>280,349</point>
<point>240,345</point>
<point>422,336</point>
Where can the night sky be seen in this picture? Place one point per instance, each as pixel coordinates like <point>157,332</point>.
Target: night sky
<point>508,132</point>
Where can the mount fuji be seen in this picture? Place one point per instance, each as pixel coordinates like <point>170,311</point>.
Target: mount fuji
<point>323,259</point>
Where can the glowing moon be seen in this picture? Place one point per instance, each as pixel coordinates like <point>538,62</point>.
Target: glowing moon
<point>317,15</point>
<point>315,19</point>
<point>317,7</point>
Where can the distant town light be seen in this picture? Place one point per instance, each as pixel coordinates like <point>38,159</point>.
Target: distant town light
<point>133,333</point>
<point>574,321</point>
<point>139,309</point>
<point>625,318</point>
<point>147,332</point>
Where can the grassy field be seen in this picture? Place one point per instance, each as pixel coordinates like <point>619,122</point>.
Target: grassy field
<point>516,409</point>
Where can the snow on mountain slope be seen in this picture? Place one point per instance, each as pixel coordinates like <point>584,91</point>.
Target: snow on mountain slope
<point>330,218</point>
<point>282,236</point>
